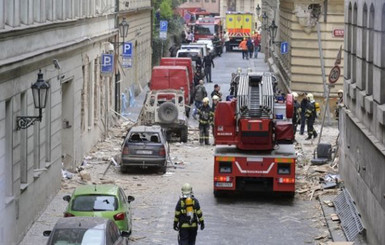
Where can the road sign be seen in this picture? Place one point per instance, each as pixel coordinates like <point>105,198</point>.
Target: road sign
<point>163,25</point>
<point>126,62</point>
<point>284,47</point>
<point>338,33</point>
<point>335,74</point>
<point>127,49</point>
<point>163,35</point>
<point>107,64</point>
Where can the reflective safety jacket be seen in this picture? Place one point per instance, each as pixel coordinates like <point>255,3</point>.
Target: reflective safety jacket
<point>310,112</point>
<point>181,216</point>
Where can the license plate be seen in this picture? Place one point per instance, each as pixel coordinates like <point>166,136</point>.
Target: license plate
<point>224,184</point>
<point>143,152</point>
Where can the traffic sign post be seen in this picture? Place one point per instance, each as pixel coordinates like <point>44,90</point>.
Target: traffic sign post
<point>284,47</point>
<point>334,74</point>
<point>127,49</point>
<point>107,64</point>
<point>163,29</point>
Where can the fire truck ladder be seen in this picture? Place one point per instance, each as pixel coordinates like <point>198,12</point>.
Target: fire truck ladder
<point>255,100</point>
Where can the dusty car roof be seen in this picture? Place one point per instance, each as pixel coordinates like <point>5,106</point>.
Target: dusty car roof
<point>81,222</point>
<point>107,189</point>
<point>154,128</point>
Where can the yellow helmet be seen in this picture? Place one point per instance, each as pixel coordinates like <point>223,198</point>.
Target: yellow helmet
<point>205,100</point>
<point>340,91</point>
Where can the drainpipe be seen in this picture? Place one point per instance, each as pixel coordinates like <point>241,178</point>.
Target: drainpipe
<point>117,73</point>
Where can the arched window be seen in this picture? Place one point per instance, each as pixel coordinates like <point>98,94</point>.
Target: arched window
<point>370,54</point>
<point>348,42</point>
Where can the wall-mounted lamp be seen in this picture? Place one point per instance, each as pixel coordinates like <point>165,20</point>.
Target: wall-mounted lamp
<point>39,93</point>
<point>258,10</point>
<point>265,20</point>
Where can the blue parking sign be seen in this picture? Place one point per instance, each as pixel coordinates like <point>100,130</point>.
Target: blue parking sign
<point>163,25</point>
<point>127,49</point>
<point>107,63</point>
<point>284,47</point>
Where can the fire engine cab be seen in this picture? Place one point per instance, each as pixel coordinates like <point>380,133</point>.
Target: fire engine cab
<point>254,138</point>
<point>206,27</point>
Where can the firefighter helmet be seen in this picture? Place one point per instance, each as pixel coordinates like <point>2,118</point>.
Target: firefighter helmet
<point>295,95</point>
<point>310,97</point>
<point>205,100</point>
<point>186,189</point>
<point>340,91</point>
<point>215,97</point>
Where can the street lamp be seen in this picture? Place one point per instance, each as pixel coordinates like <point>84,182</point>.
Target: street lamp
<point>39,93</point>
<point>273,30</point>
<point>123,28</point>
<point>258,10</point>
<point>265,19</point>
<point>123,32</point>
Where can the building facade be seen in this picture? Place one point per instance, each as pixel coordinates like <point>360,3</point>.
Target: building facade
<point>64,39</point>
<point>363,132</point>
<point>300,69</point>
<point>211,6</point>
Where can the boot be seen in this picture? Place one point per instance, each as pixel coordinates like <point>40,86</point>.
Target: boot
<point>308,137</point>
<point>315,134</point>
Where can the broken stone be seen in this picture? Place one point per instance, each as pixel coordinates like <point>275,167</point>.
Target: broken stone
<point>85,176</point>
<point>334,217</point>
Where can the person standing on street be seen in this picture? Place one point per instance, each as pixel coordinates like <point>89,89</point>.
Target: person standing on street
<point>213,107</point>
<point>207,63</point>
<point>216,92</point>
<point>227,41</point>
<point>310,115</point>
<point>250,47</point>
<point>303,106</point>
<point>198,75</point>
<point>188,215</point>
<point>199,93</point>
<point>205,119</point>
<point>243,47</point>
<point>296,115</point>
<point>256,46</point>
<point>340,103</point>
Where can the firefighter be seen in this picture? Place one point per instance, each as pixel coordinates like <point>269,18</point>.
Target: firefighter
<point>216,99</point>
<point>199,94</point>
<point>296,114</point>
<point>205,119</point>
<point>310,115</point>
<point>303,106</point>
<point>188,215</point>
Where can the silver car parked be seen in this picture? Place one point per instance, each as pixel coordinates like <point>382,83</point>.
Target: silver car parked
<point>145,146</point>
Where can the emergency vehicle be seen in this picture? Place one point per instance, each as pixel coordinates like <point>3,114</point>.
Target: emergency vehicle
<point>238,26</point>
<point>206,27</point>
<point>254,138</point>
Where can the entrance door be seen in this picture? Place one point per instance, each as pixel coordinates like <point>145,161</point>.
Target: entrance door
<point>67,132</point>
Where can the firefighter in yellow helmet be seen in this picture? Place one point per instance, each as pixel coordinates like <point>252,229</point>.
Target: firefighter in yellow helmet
<point>205,119</point>
<point>188,215</point>
<point>310,114</point>
<point>340,103</point>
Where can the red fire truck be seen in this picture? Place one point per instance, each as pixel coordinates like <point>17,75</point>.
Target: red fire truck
<point>254,138</point>
<point>206,27</point>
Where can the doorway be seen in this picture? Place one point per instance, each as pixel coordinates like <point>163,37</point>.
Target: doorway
<point>67,118</point>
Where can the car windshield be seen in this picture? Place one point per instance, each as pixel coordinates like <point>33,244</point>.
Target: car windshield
<point>144,137</point>
<point>204,29</point>
<point>95,203</point>
<point>187,54</point>
<point>76,236</point>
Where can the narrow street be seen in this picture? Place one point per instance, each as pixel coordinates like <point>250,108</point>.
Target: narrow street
<point>242,220</point>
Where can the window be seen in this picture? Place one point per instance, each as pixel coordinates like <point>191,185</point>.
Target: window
<point>47,118</point>
<point>9,148</point>
<point>364,47</point>
<point>369,58</point>
<point>354,44</point>
<point>96,90</point>
<point>23,143</point>
<point>90,92</point>
<point>95,203</point>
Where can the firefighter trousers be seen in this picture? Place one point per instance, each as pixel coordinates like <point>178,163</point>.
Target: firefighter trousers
<point>187,236</point>
<point>204,131</point>
<point>310,129</point>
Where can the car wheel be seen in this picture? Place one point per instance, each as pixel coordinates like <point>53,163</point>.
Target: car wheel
<point>184,135</point>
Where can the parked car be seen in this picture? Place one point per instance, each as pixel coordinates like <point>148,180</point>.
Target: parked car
<point>86,230</point>
<point>209,44</point>
<point>107,201</point>
<point>145,146</point>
